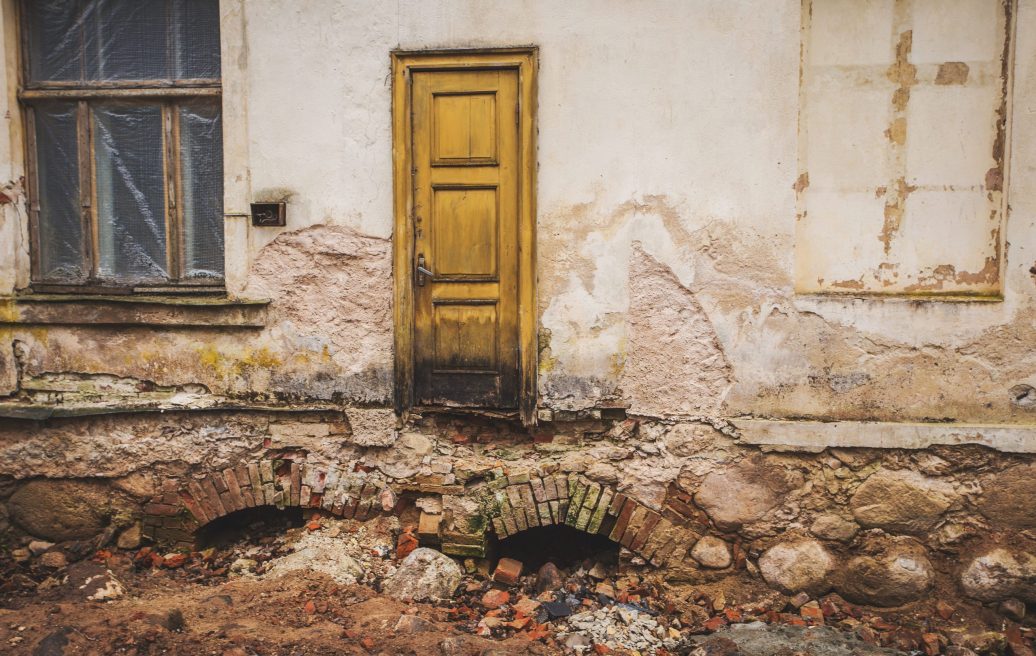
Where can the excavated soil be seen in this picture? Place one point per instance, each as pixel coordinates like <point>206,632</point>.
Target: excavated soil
<point>250,594</point>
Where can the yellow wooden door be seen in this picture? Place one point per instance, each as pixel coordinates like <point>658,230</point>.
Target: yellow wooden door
<point>464,140</point>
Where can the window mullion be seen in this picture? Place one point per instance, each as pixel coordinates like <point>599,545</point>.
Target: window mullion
<point>173,195</point>
<point>87,190</point>
<point>32,179</point>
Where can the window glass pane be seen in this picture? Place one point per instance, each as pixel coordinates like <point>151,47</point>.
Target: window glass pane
<point>109,40</point>
<point>127,40</point>
<point>130,192</point>
<point>54,34</point>
<point>201,163</point>
<point>196,52</point>
<point>60,226</point>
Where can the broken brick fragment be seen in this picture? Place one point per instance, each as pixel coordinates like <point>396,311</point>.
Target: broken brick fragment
<point>174,560</point>
<point>494,599</point>
<point>405,544</point>
<point>507,571</point>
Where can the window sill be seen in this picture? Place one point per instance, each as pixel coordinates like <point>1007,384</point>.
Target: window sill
<point>82,310</point>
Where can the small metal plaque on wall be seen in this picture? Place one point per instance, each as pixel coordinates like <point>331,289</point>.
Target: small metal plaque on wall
<point>268,214</point>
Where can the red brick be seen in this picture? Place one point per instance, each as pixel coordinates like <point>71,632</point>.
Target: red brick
<point>616,504</point>
<point>538,491</point>
<point>245,482</point>
<point>642,536</point>
<point>550,489</point>
<point>405,544</point>
<point>228,502</point>
<point>517,511</point>
<point>296,483</point>
<point>636,523</point>
<point>529,505</point>
<point>495,598</point>
<point>681,508</point>
<point>161,509</point>
<point>214,506</point>
<point>812,613</point>
<point>561,483</point>
<point>658,537</point>
<point>218,482</point>
<point>624,519</point>
<point>256,482</point>
<point>234,489</point>
<point>198,494</point>
<point>507,571</point>
<point>193,507</point>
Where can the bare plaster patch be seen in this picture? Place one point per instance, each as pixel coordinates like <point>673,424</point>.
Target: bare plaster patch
<point>674,364</point>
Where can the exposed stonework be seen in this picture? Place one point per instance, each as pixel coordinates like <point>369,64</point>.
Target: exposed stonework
<point>743,494</point>
<point>899,573</point>
<point>67,509</point>
<point>1009,497</point>
<point>902,501</point>
<point>728,510</point>
<point>999,574</point>
<point>802,566</point>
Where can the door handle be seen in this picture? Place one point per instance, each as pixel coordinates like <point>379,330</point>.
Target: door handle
<point>422,271</point>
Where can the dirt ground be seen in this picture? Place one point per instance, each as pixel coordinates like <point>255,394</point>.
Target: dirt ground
<point>237,599</point>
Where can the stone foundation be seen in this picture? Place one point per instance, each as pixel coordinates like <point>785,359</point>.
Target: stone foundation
<point>688,499</point>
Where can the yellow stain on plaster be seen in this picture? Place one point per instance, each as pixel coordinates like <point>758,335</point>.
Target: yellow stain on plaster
<point>224,365</point>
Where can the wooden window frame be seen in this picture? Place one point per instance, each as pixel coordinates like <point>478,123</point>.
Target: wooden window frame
<point>525,61</point>
<point>172,94</point>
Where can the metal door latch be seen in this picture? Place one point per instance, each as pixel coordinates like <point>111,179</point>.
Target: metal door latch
<point>422,271</point>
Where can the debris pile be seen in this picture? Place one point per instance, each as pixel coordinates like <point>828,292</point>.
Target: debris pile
<point>601,604</point>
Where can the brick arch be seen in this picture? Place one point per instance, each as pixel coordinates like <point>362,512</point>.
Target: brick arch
<point>526,502</point>
<point>183,507</point>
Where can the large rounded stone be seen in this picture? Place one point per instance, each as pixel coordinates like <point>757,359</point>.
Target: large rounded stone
<point>900,575</point>
<point>999,574</point>
<point>60,510</point>
<point>1009,497</point>
<point>744,493</point>
<point>424,575</point>
<point>711,552</point>
<point>803,566</point>
<point>834,527</point>
<point>901,501</point>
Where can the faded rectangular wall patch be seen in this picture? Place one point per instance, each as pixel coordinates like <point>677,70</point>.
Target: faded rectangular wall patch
<point>902,121</point>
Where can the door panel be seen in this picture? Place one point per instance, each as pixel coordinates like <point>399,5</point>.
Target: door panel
<point>464,153</point>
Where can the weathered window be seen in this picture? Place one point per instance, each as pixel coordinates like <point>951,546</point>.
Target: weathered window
<point>902,128</point>
<point>122,104</point>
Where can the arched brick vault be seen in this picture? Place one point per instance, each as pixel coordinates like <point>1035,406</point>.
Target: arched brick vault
<point>527,501</point>
<point>506,505</point>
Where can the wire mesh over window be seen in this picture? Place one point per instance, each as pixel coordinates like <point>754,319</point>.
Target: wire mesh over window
<point>123,103</point>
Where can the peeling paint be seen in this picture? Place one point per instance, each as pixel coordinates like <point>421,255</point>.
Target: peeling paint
<point>952,73</point>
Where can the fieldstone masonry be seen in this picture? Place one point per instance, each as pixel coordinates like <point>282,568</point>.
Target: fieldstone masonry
<point>881,527</point>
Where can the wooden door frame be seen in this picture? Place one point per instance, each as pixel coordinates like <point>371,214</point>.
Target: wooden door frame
<point>524,60</point>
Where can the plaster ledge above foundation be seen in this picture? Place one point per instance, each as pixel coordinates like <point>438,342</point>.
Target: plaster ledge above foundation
<point>189,311</point>
<point>815,436</point>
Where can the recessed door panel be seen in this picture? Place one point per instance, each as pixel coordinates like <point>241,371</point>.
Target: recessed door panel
<point>464,128</point>
<point>464,231</point>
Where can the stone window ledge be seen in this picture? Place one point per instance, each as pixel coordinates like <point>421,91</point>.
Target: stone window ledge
<point>815,436</point>
<point>181,311</point>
